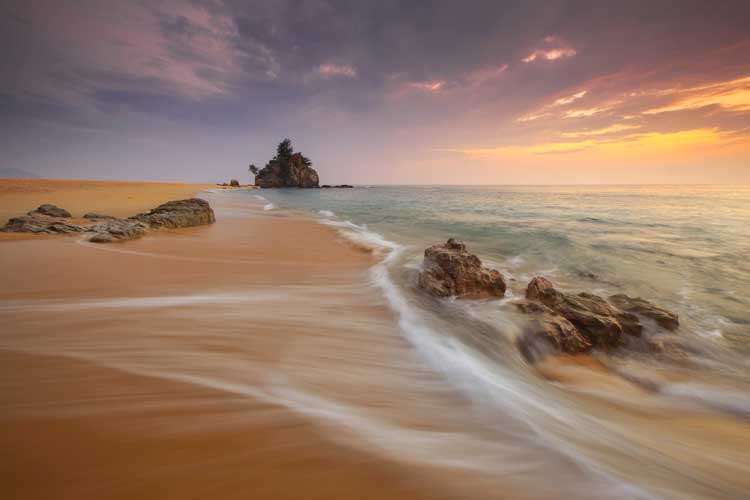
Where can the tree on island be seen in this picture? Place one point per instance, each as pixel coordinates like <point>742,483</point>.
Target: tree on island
<point>253,169</point>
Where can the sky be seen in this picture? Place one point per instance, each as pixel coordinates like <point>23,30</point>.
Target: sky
<point>378,92</point>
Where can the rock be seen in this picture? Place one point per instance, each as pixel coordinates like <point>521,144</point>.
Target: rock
<point>640,307</point>
<point>179,213</point>
<point>328,186</point>
<point>547,327</point>
<point>50,211</point>
<point>116,230</point>
<point>40,224</point>
<point>94,215</point>
<point>449,270</point>
<point>536,285</point>
<point>234,183</point>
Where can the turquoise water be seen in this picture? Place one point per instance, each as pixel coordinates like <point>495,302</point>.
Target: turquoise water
<point>684,247</point>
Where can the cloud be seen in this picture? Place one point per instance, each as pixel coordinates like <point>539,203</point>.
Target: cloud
<point>429,86</point>
<point>731,95</point>
<point>567,100</point>
<point>617,127</point>
<point>334,70</point>
<point>552,49</point>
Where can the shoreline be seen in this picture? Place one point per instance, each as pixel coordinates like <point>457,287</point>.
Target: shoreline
<point>233,357</point>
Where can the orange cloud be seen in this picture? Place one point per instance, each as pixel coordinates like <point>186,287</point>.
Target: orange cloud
<point>617,127</point>
<point>733,94</point>
<point>653,144</point>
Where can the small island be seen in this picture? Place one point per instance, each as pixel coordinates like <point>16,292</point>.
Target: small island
<point>286,169</point>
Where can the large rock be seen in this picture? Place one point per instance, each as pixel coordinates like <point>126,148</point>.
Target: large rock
<point>40,224</point>
<point>50,211</point>
<point>234,183</point>
<point>640,307</point>
<point>449,270</point>
<point>179,213</point>
<point>110,230</point>
<point>595,320</point>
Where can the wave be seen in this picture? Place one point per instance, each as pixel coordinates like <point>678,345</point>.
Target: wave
<point>269,206</point>
<point>326,213</point>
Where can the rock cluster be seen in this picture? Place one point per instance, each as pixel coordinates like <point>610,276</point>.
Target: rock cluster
<point>576,323</point>
<point>105,229</point>
<point>568,323</point>
<point>449,270</point>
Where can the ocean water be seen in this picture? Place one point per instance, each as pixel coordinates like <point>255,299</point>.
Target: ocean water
<point>683,431</point>
<point>686,248</point>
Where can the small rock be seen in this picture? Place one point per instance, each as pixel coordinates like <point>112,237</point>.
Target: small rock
<point>536,285</point>
<point>449,270</point>
<point>50,211</point>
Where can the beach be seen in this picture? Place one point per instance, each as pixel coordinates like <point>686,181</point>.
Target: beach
<point>275,354</point>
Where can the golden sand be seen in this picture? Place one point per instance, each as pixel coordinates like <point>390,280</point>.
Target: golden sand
<point>118,199</point>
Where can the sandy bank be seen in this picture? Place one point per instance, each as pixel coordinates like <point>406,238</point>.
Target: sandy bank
<point>118,199</point>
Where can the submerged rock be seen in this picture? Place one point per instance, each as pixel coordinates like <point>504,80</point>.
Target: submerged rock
<point>595,321</point>
<point>550,328</point>
<point>50,211</point>
<point>449,270</point>
<point>666,319</point>
<point>179,213</point>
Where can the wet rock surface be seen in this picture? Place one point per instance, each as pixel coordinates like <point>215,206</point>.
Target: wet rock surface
<point>595,321</point>
<point>116,230</point>
<point>449,270</point>
<point>179,213</point>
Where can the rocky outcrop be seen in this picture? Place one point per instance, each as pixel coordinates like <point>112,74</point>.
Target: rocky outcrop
<point>576,323</point>
<point>179,213</point>
<point>234,183</point>
<point>105,229</point>
<point>50,211</point>
<point>287,169</point>
<point>449,270</point>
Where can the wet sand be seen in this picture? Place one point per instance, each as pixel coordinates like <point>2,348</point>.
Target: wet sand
<point>151,369</point>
